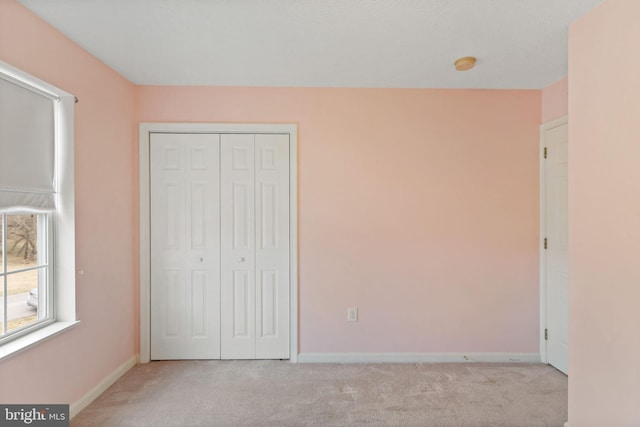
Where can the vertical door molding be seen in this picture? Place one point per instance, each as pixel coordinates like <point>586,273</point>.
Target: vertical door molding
<point>544,129</point>
<point>145,131</point>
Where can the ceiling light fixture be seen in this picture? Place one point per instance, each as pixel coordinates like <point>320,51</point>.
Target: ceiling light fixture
<point>466,63</point>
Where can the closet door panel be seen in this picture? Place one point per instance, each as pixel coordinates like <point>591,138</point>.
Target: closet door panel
<point>238,291</point>
<point>185,246</point>
<point>272,246</point>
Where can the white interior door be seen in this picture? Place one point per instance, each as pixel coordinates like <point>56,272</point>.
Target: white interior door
<point>238,288</point>
<point>185,246</point>
<point>255,246</point>
<point>556,252</point>
<point>220,243</point>
<point>272,246</point>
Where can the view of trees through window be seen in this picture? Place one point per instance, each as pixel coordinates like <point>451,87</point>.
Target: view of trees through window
<point>20,235</point>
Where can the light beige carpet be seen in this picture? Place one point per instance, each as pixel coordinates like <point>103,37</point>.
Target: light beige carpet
<point>276,393</point>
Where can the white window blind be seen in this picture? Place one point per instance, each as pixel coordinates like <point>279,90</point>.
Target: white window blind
<point>27,147</point>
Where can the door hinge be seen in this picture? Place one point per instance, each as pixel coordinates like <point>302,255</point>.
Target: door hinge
<point>545,243</point>
<point>546,334</point>
<point>545,152</point>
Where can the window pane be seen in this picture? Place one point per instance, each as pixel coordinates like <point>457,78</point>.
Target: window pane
<point>1,316</point>
<point>22,241</point>
<point>23,306</point>
<point>1,251</point>
<point>1,305</point>
<point>25,295</point>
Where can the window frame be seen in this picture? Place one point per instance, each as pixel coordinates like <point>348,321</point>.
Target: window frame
<point>61,223</point>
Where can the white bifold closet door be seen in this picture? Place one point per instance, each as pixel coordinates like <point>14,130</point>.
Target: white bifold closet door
<point>219,246</point>
<point>255,246</point>
<point>185,246</point>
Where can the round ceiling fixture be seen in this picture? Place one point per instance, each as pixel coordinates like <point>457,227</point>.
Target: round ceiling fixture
<point>466,63</point>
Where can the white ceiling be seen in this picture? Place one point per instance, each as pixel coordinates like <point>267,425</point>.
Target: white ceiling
<point>339,43</point>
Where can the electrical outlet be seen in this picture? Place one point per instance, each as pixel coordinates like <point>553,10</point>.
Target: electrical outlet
<point>352,314</point>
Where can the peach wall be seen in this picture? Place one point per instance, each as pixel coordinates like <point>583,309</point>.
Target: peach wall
<point>420,207</point>
<point>604,217</point>
<point>555,100</point>
<point>67,366</point>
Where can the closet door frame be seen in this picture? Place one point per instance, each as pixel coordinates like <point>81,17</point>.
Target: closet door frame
<point>144,139</point>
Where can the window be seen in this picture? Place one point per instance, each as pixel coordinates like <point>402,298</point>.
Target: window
<point>25,271</point>
<point>37,254</point>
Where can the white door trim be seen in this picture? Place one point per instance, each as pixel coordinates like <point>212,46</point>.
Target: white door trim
<point>144,216</point>
<point>543,227</point>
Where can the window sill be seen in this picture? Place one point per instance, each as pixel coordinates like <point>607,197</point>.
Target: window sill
<point>12,347</point>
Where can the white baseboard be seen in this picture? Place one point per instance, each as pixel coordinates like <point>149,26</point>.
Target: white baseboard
<point>417,357</point>
<point>76,407</point>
